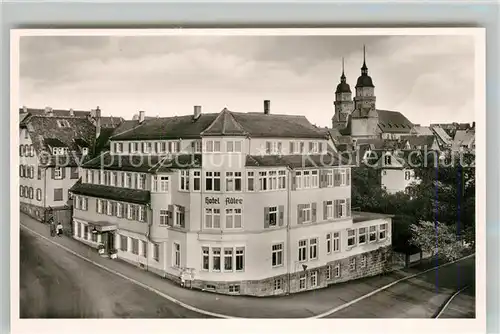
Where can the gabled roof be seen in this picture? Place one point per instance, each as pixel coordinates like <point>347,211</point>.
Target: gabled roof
<point>45,131</point>
<point>464,137</point>
<point>423,130</point>
<point>224,123</point>
<point>442,135</point>
<point>393,122</point>
<point>110,121</point>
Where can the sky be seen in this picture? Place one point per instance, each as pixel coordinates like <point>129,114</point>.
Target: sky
<point>429,79</point>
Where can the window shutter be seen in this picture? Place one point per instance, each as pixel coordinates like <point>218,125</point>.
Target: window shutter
<point>313,210</point>
<point>52,172</point>
<point>348,207</point>
<point>322,178</point>
<point>86,201</point>
<point>310,146</point>
<point>291,148</point>
<point>299,214</point>
<point>294,180</point>
<point>170,215</point>
<point>266,217</point>
<point>97,205</point>
<point>320,147</point>
<point>63,169</point>
<point>183,221</point>
<point>325,216</point>
<point>335,208</point>
<point>268,147</point>
<point>348,176</point>
<point>281,213</point>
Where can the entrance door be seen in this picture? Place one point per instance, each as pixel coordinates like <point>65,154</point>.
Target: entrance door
<point>111,241</point>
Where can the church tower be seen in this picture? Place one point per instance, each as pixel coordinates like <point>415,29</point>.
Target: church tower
<point>365,90</point>
<point>343,102</point>
<point>364,119</point>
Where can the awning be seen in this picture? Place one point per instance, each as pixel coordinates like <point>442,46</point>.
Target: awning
<point>100,226</point>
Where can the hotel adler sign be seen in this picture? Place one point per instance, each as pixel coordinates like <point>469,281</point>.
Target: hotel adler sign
<point>227,201</point>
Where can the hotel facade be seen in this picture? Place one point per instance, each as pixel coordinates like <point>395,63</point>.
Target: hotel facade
<point>235,203</point>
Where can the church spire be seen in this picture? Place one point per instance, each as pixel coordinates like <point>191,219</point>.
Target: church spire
<point>364,68</point>
<point>342,77</point>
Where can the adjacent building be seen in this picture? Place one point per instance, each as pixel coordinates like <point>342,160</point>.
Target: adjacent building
<point>52,145</point>
<point>230,202</point>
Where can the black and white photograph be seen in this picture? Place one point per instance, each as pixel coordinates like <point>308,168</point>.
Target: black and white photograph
<point>248,174</point>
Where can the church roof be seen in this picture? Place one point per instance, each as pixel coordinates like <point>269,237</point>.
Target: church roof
<point>343,87</point>
<point>364,81</point>
<point>393,122</point>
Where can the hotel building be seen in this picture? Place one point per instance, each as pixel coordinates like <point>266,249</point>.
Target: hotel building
<point>235,203</point>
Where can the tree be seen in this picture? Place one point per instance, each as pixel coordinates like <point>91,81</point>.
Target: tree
<point>437,239</point>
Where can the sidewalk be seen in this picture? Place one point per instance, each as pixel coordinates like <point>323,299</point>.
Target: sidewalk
<point>300,305</point>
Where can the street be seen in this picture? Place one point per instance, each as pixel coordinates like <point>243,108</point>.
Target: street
<point>57,284</point>
<point>419,297</point>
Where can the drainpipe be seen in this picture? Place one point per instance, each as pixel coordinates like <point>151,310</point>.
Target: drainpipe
<point>288,221</point>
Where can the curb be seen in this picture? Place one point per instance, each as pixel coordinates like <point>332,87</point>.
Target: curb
<point>448,302</point>
<point>385,287</point>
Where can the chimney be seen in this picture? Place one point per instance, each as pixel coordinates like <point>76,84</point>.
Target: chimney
<point>267,107</point>
<point>197,112</point>
<point>97,122</point>
<point>25,109</point>
<point>71,112</point>
<point>142,115</point>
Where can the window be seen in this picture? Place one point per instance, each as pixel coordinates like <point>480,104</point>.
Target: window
<point>336,242</point>
<point>78,230</point>
<point>164,217</point>
<point>240,259</point>
<point>329,177</point>
<point>278,284</point>
<point>179,216</point>
<point>234,288</point>
<point>277,255</point>
<point>57,173</point>
<point>163,186</point>
<point>387,160</point>
<point>62,123</point>
<point>273,215</point>
<point>196,180</point>
<point>233,218</point>
<point>352,264</point>
<point>130,211</point>
<point>328,207</point>
<point>109,208</point>
<point>373,234</point>
<point>250,181</point>
<point>216,259</point>
<point>58,194</point>
<point>184,180</point>
<point>39,176</point>
<point>336,270</point>
<point>114,179</point>
<point>86,232</point>
<point>212,181</point>
<point>382,232</point>
<point>407,175</point>
<point>233,146</point>
<point>313,249</point>
<point>314,179</point>
<point>233,181</point>
<point>39,194</point>
<point>141,181</point>
<point>362,236</point>
<point>302,147</point>
<point>306,179</point>
<point>302,281</point>
<point>363,261</point>
<point>212,218</point>
<point>263,181</point>
<point>306,213</point>
<point>340,208</point>
<point>302,250</point>
<point>328,243</point>
<point>156,252</point>
<point>281,179</point>
<point>340,177</point>
<point>144,249</point>
<point>328,274</point>
<point>134,147</point>
<point>123,243</point>
<point>213,146</point>
<point>135,246</point>
<point>127,180</point>
<point>228,259</point>
<point>177,255</point>
<point>197,146</point>
<point>351,238</point>
<point>119,210</point>
<point>205,258</point>
<point>313,279</point>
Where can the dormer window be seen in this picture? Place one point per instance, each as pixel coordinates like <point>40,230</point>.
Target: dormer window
<point>59,150</point>
<point>387,159</point>
<point>62,123</point>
